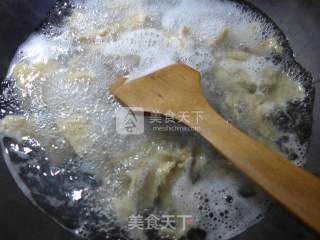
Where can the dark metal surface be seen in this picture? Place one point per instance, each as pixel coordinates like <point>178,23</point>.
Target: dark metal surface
<point>19,219</point>
<point>300,21</point>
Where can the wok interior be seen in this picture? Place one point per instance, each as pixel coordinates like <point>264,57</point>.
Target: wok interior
<point>77,183</point>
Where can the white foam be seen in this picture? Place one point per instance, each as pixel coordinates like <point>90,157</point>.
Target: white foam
<point>39,48</point>
<point>156,50</point>
<point>216,206</point>
<point>204,19</point>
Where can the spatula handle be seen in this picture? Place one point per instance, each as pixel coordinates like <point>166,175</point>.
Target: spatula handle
<point>292,187</point>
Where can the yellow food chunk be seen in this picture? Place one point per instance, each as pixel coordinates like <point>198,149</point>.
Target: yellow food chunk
<point>184,31</point>
<point>146,182</point>
<point>97,36</point>
<point>236,80</point>
<point>222,38</point>
<point>29,77</point>
<point>291,88</point>
<point>76,130</point>
<point>144,187</point>
<point>17,126</point>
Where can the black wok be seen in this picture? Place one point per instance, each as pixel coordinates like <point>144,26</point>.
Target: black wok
<point>299,19</point>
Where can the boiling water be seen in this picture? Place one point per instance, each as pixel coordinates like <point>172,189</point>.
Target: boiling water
<point>62,77</point>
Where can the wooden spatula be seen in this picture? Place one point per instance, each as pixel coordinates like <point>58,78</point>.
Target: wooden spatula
<point>176,89</point>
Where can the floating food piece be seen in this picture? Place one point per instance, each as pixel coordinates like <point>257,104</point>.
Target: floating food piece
<point>81,76</point>
<point>144,186</point>
<point>139,19</point>
<point>199,163</point>
<point>270,78</point>
<point>113,30</point>
<point>267,47</point>
<point>222,38</point>
<point>292,89</point>
<point>238,55</point>
<point>28,76</point>
<point>100,35</point>
<point>16,126</point>
<point>253,101</point>
<point>76,130</point>
<point>149,176</point>
<point>183,34</point>
<point>184,31</point>
<point>236,80</point>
